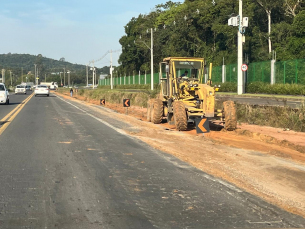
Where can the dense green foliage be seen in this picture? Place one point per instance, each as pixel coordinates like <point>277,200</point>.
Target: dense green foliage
<point>198,28</point>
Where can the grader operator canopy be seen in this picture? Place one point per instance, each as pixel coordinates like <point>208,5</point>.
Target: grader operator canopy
<point>194,67</point>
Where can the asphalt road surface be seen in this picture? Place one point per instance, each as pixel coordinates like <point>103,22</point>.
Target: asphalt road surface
<point>65,166</point>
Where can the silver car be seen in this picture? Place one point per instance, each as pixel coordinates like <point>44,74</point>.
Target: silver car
<point>4,95</point>
<point>42,90</point>
<point>20,89</point>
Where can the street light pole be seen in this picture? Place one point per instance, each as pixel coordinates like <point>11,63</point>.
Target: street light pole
<point>240,80</point>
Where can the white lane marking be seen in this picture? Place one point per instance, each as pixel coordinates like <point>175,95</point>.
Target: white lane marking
<point>124,133</point>
<point>223,183</point>
<point>98,119</point>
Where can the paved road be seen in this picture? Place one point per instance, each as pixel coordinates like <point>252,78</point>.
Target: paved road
<point>15,100</point>
<point>65,166</point>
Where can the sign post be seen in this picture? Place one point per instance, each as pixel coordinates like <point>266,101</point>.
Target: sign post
<point>126,103</point>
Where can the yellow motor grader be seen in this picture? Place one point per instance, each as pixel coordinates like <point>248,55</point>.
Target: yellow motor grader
<point>184,97</point>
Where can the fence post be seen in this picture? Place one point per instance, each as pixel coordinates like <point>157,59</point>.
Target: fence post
<point>223,74</point>
<point>272,72</point>
<point>145,78</point>
<point>139,77</point>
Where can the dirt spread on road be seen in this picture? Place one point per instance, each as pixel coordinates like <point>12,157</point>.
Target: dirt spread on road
<point>264,161</point>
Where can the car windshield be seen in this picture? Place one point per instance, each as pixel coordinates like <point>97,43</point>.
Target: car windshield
<point>20,86</point>
<point>42,86</point>
<point>2,88</point>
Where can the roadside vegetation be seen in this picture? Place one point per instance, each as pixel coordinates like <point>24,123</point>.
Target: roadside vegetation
<point>279,117</point>
<point>265,88</point>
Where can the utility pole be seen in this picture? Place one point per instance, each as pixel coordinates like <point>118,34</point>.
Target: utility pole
<point>3,75</point>
<point>22,74</point>
<point>64,76</point>
<point>87,73</point>
<point>35,75</point>
<point>45,77</point>
<point>240,80</point>
<point>68,78</point>
<point>111,81</point>
<point>60,78</point>
<point>152,59</point>
<point>11,77</point>
<point>93,69</point>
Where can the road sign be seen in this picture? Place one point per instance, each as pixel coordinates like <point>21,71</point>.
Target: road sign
<point>126,102</point>
<point>37,78</point>
<point>244,67</point>
<point>202,125</point>
<point>103,101</point>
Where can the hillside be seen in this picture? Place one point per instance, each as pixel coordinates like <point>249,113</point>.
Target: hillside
<point>24,64</point>
<point>27,61</point>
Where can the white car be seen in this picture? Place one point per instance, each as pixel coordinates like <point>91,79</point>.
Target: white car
<point>20,89</point>
<point>42,90</point>
<point>4,95</point>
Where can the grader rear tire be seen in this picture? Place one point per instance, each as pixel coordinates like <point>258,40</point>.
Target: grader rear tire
<point>149,109</point>
<point>157,111</point>
<point>229,110</point>
<point>180,116</point>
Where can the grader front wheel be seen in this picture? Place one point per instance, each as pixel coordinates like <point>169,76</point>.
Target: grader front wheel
<point>157,111</point>
<point>229,111</point>
<point>180,115</point>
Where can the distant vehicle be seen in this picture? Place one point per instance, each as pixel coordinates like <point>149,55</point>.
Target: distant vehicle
<point>51,85</point>
<point>42,90</point>
<point>4,94</point>
<point>20,89</point>
<point>28,87</point>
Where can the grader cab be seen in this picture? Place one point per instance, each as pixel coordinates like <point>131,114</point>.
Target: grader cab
<point>184,97</point>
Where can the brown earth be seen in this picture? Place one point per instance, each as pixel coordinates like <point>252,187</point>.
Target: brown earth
<point>265,161</point>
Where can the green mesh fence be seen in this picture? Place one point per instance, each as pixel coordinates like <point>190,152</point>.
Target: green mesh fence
<point>231,73</point>
<point>291,71</point>
<point>217,74</point>
<point>259,72</point>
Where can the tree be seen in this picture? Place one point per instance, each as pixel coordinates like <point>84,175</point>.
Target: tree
<point>268,6</point>
<point>292,6</point>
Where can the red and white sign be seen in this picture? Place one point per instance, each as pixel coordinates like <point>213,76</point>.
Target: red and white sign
<point>244,67</point>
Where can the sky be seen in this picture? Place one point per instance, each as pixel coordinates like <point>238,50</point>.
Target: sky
<point>77,30</point>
